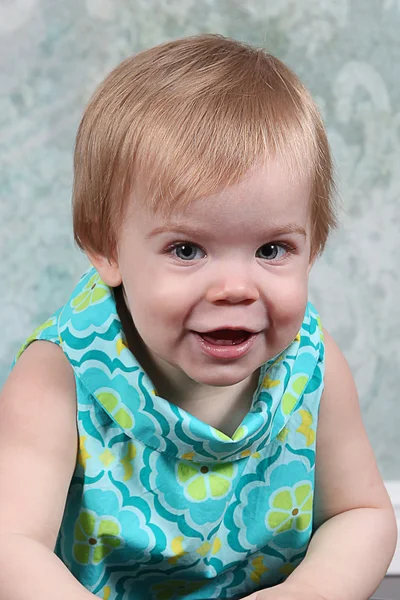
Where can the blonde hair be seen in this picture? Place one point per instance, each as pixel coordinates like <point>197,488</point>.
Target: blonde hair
<point>186,119</point>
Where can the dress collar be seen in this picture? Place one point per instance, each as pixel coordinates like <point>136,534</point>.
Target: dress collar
<point>91,335</point>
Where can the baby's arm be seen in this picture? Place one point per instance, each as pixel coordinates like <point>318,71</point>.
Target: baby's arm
<point>350,552</point>
<point>38,444</point>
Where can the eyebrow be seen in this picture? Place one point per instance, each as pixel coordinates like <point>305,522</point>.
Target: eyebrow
<point>178,228</point>
<point>288,228</point>
<point>199,231</point>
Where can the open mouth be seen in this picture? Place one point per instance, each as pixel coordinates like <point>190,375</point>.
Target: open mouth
<point>226,337</point>
<point>226,343</point>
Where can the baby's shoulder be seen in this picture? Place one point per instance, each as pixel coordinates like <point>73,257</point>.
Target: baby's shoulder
<point>339,400</point>
<point>38,439</point>
<point>336,363</point>
<point>40,367</point>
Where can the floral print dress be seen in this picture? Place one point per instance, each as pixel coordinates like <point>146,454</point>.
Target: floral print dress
<point>162,505</point>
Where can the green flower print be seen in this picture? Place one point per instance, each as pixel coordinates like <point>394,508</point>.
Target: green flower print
<point>176,588</point>
<point>291,508</point>
<point>113,404</point>
<point>95,291</point>
<point>202,482</point>
<point>289,400</point>
<point>95,538</point>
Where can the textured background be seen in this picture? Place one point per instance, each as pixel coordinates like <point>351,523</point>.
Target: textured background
<point>54,53</point>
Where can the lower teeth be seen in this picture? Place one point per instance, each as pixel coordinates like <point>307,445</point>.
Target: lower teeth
<point>224,342</point>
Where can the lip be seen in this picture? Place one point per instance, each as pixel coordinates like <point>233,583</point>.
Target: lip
<point>226,352</point>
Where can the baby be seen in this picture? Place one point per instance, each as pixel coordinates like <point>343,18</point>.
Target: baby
<point>190,431</point>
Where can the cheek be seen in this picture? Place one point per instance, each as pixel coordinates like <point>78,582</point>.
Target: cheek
<point>156,303</point>
<point>290,303</point>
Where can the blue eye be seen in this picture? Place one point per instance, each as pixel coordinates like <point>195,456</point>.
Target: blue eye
<point>188,251</point>
<point>271,251</point>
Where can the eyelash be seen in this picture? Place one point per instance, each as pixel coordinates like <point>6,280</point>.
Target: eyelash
<point>289,249</point>
<point>176,245</point>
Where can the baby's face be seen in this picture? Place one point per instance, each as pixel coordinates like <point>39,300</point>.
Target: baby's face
<point>220,288</point>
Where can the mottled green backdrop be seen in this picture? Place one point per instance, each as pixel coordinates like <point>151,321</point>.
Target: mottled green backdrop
<point>53,54</point>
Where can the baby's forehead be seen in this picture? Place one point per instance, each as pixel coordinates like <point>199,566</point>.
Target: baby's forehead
<point>263,201</point>
<point>267,182</point>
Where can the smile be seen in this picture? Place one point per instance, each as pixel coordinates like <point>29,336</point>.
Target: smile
<point>226,343</point>
<point>226,337</point>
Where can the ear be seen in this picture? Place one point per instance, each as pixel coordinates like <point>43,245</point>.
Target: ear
<point>107,268</point>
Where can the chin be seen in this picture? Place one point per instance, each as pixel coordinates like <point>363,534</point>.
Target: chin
<point>215,377</point>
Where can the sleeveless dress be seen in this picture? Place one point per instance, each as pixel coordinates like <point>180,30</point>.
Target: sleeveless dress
<point>164,506</point>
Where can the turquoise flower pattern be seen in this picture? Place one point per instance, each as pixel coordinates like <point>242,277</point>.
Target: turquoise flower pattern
<point>163,505</point>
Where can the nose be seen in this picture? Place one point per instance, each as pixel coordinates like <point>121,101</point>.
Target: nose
<point>235,287</point>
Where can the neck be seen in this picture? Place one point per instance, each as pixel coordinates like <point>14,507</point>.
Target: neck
<point>221,407</point>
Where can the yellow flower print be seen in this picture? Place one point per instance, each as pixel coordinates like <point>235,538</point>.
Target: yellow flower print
<point>107,592</point>
<point>94,538</point>
<point>305,427</point>
<point>258,569</point>
<point>291,508</point>
<point>177,549</point>
<point>83,454</point>
<point>95,291</point>
<point>120,345</point>
<point>201,482</point>
<point>246,453</point>
<point>206,547</point>
<point>270,383</point>
<point>188,455</point>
